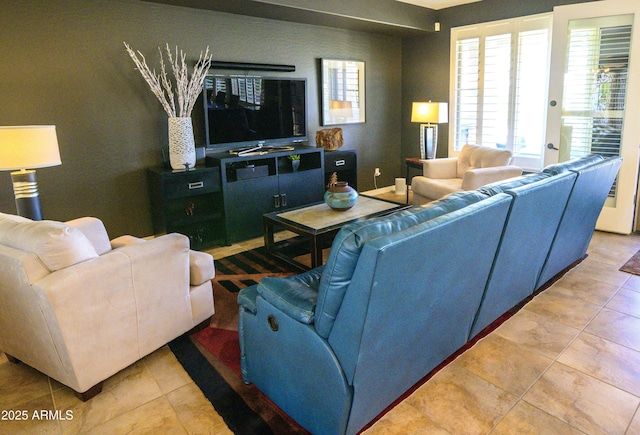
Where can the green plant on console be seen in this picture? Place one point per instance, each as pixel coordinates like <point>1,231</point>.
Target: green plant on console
<point>295,162</point>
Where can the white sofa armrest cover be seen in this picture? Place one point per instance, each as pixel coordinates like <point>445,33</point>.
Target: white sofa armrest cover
<point>475,178</point>
<point>94,230</point>
<point>440,168</point>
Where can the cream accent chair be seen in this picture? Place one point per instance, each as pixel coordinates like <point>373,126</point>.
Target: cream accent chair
<point>80,308</point>
<point>474,167</point>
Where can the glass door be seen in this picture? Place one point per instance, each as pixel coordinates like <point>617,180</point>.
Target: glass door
<point>593,96</point>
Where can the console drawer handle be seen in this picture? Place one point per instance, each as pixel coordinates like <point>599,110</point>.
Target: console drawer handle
<point>340,162</point>
<point>196,185</point>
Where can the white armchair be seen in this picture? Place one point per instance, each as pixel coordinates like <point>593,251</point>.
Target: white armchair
<point>474,167</point>
<point>80,308</point>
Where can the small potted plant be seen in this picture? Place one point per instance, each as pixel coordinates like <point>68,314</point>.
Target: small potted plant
<point>295,162</point>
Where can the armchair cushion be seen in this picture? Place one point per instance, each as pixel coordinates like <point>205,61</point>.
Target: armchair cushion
<point>474,156</point>
<point>56,244</point>
<point>440,168</point>
<point>94,230</point>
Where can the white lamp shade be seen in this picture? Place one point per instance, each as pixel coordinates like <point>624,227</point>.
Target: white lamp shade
<point>28,147</point>
<point>430,113</point>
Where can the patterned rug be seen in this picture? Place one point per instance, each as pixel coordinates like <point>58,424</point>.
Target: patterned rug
<point>632,265</point>
<point>211,356</point>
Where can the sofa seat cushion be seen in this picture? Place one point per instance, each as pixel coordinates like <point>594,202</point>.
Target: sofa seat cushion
<point>56,244</point>
<point>349,242</point>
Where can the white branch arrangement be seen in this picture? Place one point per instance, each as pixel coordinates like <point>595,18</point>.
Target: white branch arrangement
<point>187,89</point>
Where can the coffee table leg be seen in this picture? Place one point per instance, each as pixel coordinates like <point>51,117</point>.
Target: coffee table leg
<point>316,251</point>
<point>268,236</point>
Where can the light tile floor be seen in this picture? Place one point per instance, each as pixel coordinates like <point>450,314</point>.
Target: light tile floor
<point>568,362</point>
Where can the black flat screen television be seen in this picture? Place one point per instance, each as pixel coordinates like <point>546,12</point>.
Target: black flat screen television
<point>248,110</point>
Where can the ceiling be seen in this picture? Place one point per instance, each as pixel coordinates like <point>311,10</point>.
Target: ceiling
<point>438,4</point>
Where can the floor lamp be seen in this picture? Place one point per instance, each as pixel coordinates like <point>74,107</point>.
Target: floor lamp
<point>23,149</point>
<point>429,115</point>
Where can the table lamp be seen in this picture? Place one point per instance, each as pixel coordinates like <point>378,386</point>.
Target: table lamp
<point>340,109</point>
<point>429,115</point>
<point>23,149</point>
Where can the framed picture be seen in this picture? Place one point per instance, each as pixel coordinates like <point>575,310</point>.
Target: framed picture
<point>343,92</point>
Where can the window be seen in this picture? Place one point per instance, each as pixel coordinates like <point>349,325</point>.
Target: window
<point>499,76</point>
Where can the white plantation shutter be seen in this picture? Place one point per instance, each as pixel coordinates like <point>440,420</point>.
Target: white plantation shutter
<point>595,88</point>
<point>500,79</point>
<point>466,91</point>
<point>496,91</point>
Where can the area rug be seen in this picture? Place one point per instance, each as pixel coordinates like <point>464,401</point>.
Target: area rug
<point>211,356</point>
<point>632,265</point>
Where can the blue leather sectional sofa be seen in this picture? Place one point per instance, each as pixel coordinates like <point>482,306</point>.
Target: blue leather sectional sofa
<point>334,346</point>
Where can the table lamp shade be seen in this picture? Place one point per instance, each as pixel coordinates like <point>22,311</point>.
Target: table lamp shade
<point>23,149</point>
<point>30,146</point>
<point>430,113</point>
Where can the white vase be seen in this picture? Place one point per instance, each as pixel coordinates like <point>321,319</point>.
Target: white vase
<point>182,148</point>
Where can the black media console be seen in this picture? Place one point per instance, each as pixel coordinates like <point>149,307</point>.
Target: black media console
<point>255,184</point>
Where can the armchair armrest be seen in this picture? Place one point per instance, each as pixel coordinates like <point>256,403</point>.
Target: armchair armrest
<point>200,263</point>
<point>292,297</point>
<point>440,168</point>
<point>478,177</point>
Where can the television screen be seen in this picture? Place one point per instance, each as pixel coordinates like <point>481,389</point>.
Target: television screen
<point>244,110</point>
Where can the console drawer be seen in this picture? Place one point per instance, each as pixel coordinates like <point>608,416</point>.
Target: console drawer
<point>192,183</point>
<point>339,161</point>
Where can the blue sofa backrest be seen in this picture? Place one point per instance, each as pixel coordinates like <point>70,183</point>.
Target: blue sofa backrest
<point>574,164</point>
<point>347,245</point>
<point>414,292</point>
<point>588,195</point>
<point>539,200</point>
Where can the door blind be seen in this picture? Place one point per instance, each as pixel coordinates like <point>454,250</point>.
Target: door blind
<point>595,90</point>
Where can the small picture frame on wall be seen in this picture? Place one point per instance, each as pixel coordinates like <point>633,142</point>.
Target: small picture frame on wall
<point>343,91</point>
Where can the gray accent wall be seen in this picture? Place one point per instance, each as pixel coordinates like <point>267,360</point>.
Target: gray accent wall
<point>64,63</point>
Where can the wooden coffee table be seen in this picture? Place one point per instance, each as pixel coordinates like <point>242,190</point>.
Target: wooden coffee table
<point>318,224</point>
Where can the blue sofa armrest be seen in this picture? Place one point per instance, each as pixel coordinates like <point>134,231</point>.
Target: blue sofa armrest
<point>293,297</point>
<point>247,298</point>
